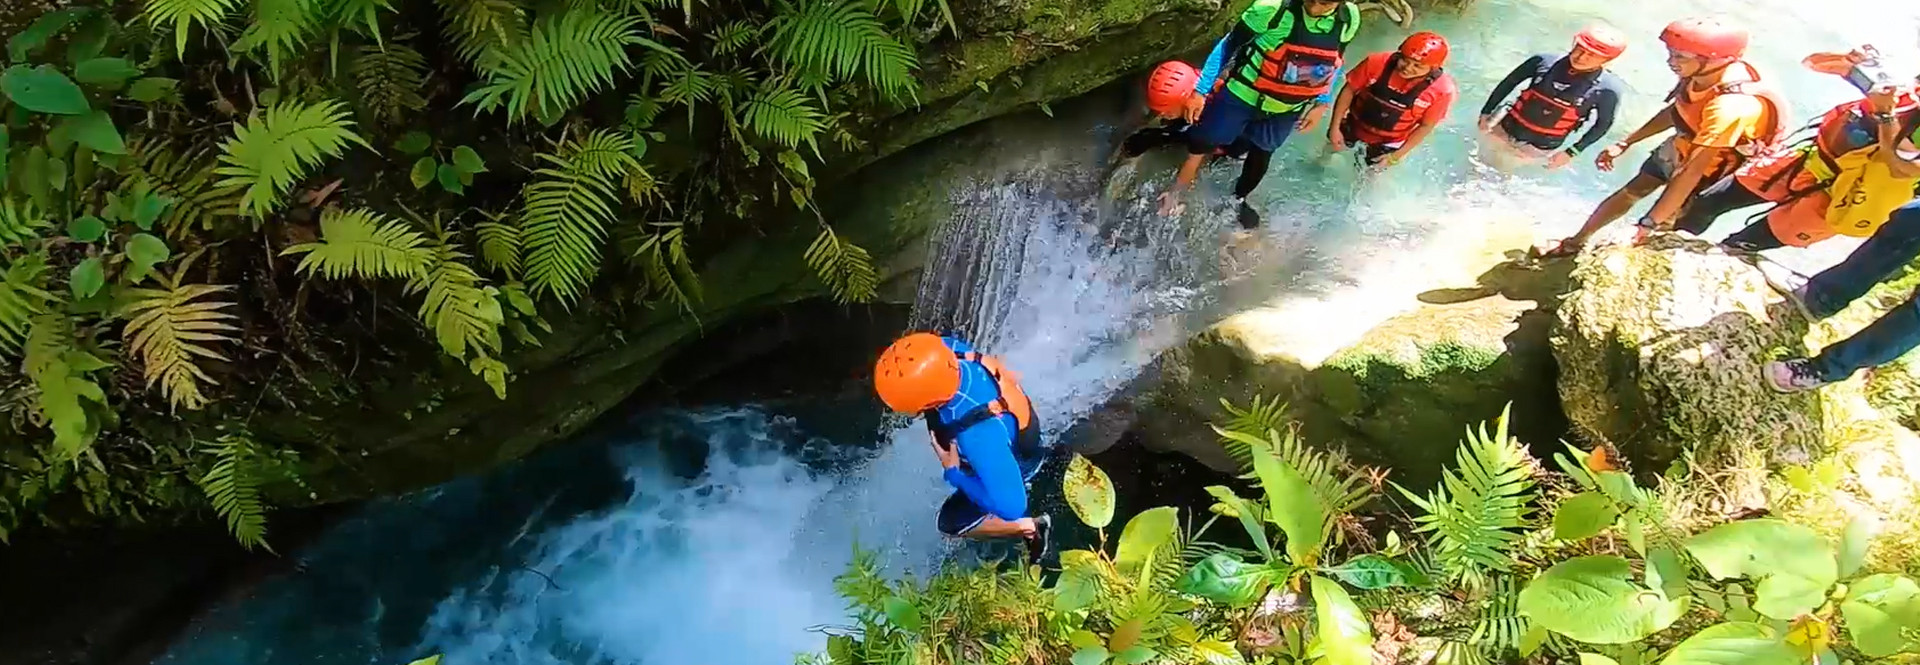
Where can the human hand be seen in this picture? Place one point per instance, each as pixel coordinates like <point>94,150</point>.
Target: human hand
<point>1195,104</point>
<point>1027,527</point>
<point>1170,205</point>
<point>949,456</point>
<point>1310,118</point>
<point>1559,159</point>
<point>1336,138</point>
<point>1604,160</point>
<point>1486,123</point>
<point>1883,98</point>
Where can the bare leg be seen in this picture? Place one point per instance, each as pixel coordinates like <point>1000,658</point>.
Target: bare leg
<point>1616,205</point>
<point>994,528</point>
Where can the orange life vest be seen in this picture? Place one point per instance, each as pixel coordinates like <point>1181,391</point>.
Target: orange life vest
<point>1011,399</point>
<point>1687,108</point>
<point>1303,66</point>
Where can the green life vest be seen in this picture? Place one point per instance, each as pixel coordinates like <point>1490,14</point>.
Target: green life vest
<point>1293,57</point>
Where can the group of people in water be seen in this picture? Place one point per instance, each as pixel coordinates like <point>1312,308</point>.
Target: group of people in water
<point>1728,145</point>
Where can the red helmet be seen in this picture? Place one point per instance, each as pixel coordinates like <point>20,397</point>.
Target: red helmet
<point>1712,38</point>
<point>1170,85</point>
<point>1427,48</point>
<point>1601,40</point>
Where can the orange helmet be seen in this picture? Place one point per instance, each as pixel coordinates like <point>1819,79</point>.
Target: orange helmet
<point>1710,38</point>
<point>1601,40</point>
<point>1170,85</point>
<point>918,372</point>
<point>1427,48</point>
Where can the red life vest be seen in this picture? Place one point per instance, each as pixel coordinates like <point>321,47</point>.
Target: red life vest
<point>1304,65</point>
<point>1550,106</point>
<point>1386,114</point>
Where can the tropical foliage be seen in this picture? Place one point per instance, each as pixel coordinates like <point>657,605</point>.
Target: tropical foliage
<point>210,205</point>
<point>1509,563</point>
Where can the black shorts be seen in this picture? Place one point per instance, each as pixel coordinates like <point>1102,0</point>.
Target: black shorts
<point>1520,134</point>
<point>959,514</point>
<point>1374,151</point>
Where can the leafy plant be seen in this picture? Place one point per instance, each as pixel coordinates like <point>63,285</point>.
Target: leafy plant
<point>276,148</point>
<point>170,327</point>
<point>232,485</point>
<point>1472,518</point>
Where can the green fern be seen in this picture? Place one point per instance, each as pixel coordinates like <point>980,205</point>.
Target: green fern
<point>183,15</point>
<point>362,243</point>
<point>187,178</point>
<point>170,327</point>
<point>1500,626</point>
<point>844,267</point>
<point>390,81</point>
<point>232,485</point>
<point>500,246</point>
<point>569,208</point>
<point>844,38</point>
<point>20,221</point>
<point>280,28</point>
<point>732,37</point>
<point>784,115</point>
<point>273,150</point>
<point>663,258</point>
<point>1472,517</point>
<point>22,296</point>
<point>1258,419</point>
<point>59,374</point>
<point>1338,486</point>
<point>462,313</point>
<point>564,60</point>
<point>357,14</point>
<point>484,28</point>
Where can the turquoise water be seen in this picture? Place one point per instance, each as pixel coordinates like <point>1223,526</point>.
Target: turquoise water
<point>710,538</point>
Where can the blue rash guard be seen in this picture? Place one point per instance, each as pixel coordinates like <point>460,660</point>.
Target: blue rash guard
<point>990,475</point>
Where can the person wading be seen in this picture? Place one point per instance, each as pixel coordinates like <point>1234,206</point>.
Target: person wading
<point>1563,93</point>
<point>1391,102</point>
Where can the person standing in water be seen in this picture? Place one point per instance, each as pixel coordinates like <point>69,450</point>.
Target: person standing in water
<point>1563,93</point>
<point>1719,111</point>
<point>1392,101</point>
<point>1263,81</point>
<point>983,431</point>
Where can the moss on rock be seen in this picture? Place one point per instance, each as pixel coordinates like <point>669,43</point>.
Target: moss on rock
<point>1895,391</point>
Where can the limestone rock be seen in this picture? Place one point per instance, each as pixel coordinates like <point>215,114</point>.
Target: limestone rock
<point>1895,390</point>
<point>1660,350</point>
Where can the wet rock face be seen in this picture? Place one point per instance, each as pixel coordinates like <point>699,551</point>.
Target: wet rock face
<point>1660,351</point>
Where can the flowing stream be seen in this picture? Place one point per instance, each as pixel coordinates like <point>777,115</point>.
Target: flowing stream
<point>712,537</point>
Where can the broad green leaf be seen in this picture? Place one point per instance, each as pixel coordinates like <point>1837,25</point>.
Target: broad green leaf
<point>152,89</point>
<point>468,161</point>
<point>414,142</point>
<point>1533,639</point>
<point>145,251</point>
<point>840,649</point>
<point>1666,573</point>
<point>95,130</point>
<point>1145,534</point>
<point>903,614</point>
<point>91,38</point>
<point>1733,644</point>
<point>1088,492</point>
<point>1093,655</point>
<point>1244,512</point>
<point>1636,534</point>
<point>86,229</point>
<point>429,660</point>
<point>1877,609</point>
<point>1346,637</point>
<point>1591,599</point>
<point>1368,572</point>
<point>26,42</point>
<point>423,172</point>
<point>1793,564</point>
<point>107,72</point>
<point>1583,515</point>
<point>148,209</point>
<point>1076,589</point>
<point>87,277</point>
<point>43,89</point>
<point>1139,653</point>
<point>1854,544</point>
<point>1083,638</point>
<point>449,178</point>
<point>1223,578</point>
<point>1217,652</point>
<point>1291,502</point>
<point>1596,659</point>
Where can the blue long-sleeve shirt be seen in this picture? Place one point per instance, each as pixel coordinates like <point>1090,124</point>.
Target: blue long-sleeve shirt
<point>992,478</point>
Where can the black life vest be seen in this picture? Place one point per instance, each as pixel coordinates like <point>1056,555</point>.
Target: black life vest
<point>1387,113</point>
<point>1304,65</point>
<point>1551,106</point>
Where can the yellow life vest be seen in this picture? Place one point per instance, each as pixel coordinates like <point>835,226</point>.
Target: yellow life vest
<point>1865,193</point>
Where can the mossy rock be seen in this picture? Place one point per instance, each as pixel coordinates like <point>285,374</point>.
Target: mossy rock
<point>1895,390</point>
<point>1661,350</point>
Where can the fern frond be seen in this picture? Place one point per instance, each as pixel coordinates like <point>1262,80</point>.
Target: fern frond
<point>692,86</point>
<point>484,28</point>
<point>390,80</point>
<point>20,220</point>
<point>273,150</point>
<point>670,275</point>
<point>22,296</point>
<point>362,243</point>
<point>784,115</point>
<point>279,27</point>
<point>1472,517</point>
<point>363,16</point>
<point>568,209</point>
<point>640,112</point>
<point>186,177</point>
<point>463,316</point>
<point>844,38</point>
<point>58,371</point>
<point>183,15</point>
<point>1500,625</point>
<point>564,60</point>
<point>168,328</point>
<point>1339,486</point>
<point>844,267</point>
<point>732,37</point>
<point>232,485</point>
<point>500,246</point>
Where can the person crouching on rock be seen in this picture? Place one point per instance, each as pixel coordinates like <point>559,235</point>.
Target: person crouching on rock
<point>1563,92</point>
<point>1266,79</point>
<point>1860,164</point>
<point>1883,255</point>
<point>1391,102</point>
<point>983,431</point>
<point>1720,111</point>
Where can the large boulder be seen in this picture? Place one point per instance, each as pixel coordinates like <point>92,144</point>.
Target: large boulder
<point>1437,357</point>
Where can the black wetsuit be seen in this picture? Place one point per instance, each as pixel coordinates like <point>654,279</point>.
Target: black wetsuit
<point>1594,95</point>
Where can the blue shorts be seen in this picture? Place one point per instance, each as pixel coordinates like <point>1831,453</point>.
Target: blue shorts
<point>959,514</point>
<point>1226,118</point>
